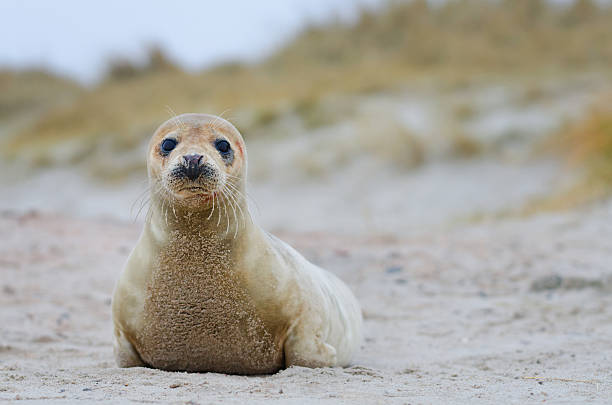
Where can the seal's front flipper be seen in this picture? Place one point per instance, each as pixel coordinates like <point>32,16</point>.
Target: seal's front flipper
<point>125,354</point>
<point>308,351</point>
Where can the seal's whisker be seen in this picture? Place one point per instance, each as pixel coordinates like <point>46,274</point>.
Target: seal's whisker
<point>237,203</point>
<point>147,201</point>
<point>220,116</point>
<point>147,189</point>
<point>233,203</point>
<point>164,211</point>
<point>247,196</point>
<point>235,188</point>
<point>155,191</point>
<point>229,202</point>
<point>143,204</point>
<point>178,120</point>
<point>219,216</point>
<point>141,197</point>
<point>225,210</point>
<point>213,207</point>
<point>241,194</point>
<point>235,199</point>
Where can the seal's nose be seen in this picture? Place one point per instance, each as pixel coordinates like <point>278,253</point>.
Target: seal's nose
<point>193,160</point>
<point>192,165</point>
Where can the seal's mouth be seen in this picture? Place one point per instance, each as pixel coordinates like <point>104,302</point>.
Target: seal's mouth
<point>197,192</point>
<point>193,184</point>
<point>196,189</point>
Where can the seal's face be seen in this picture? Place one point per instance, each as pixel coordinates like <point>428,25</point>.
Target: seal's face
<point>195,157</point>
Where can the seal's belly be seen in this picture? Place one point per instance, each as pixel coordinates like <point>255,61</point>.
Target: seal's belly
<point>202,320</point>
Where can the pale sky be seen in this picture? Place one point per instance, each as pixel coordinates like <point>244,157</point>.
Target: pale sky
<point>76,37</point>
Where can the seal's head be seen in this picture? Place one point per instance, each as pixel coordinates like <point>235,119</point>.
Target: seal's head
<point>193,157</point>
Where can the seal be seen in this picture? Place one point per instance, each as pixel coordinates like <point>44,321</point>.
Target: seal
<point>205,288</point>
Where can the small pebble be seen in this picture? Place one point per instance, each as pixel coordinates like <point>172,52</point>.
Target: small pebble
<point>550,282</point>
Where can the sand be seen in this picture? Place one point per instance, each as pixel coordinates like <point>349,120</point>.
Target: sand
<point>511,311</point>
<point>500,311</point>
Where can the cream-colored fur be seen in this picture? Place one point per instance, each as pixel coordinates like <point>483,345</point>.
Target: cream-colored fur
<point>206,289</point>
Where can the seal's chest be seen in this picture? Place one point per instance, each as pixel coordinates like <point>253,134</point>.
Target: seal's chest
<point>198,317</point>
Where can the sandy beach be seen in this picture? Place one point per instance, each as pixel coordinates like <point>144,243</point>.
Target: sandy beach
<point>450,161</point>
<point>511,311</point>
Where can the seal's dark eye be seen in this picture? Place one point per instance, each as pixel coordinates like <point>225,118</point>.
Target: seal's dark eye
<point>222,146</point>
<point>167,145</point>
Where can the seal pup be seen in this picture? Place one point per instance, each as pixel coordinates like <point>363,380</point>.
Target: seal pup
<point>205,288</point>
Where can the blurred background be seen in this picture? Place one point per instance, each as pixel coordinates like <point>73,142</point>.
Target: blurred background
<point>359,116</point>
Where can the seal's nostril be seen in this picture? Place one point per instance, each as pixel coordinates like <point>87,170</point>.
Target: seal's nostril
<point>192,168</point>
<point>193,160</point>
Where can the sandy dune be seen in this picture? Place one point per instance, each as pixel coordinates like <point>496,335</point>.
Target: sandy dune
<point>505,312</point>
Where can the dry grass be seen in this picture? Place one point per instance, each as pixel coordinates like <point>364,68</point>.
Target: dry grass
<point>383,141</point>
<point>393,144</point>
<point>32,92</point>
<point>466,35</point>
<point>382,50</point>
<point>463,146</point>
<point>586,146</point>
